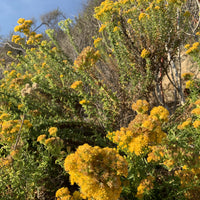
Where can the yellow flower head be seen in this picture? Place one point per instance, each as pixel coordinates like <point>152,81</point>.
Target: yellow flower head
<point>84,101</point>
<point>63,192</point>
<point>160,113</point>
<point>53,131</point>
<point>187,75</point>
<point>129,21</point>
<point>141,106</point>
<point>187,46</point>
<point>196,124</point>
<point>145,53</point>
<point>85,168</point>
<point>189,84</point>
<point>14,154</point>
<point>76,84</point>
<point>41,138</point>
<point>21,21</point>
<point>185,124</point>
<point>116,28</point>
<point>197,102</point>
<point>97,41</point>
<point>143,16</point>
<point>4,116</point>
<point>196,111</point>
<point>9,52</point>
<point>103,26</point>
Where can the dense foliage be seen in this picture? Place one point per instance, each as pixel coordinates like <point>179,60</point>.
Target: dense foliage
<point>93,122</point>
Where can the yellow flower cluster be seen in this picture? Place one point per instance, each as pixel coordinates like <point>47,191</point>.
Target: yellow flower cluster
<point>145,53</point>
<point>64,194</point>
<point>187,75</point>
<point>129,21</point>
<point>160,113</point>
<point>143,16</point>
<point>188,122</point>
<point>185,124</point>
<point>196,111</point>
<point>53,131</point>
<point>86,59</point>
<point>103,26</point>
<point>196,124</point>
<point>156,154</point>
<point>189,84</point>
<point>142,132</point>
<point>41,138</point>
<point>10,128</point>
<point>17,39</point>
<point>97,171</point>
<point>5,162</point>
<point>193,48</point>
<point>97,41</point>
<point>24,27</point>
<point>141,106</point>
<point>14,154</point>
<point>145,186</point>
<point>84,101</point>
<point>53,141</point>
<point>34,38</point>
<point>76,84</point>
<point>116,28</point>
<point>190,180</point>
<point>106,7</point>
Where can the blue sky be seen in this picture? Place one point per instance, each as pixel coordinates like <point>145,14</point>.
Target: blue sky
<point>12,10</point>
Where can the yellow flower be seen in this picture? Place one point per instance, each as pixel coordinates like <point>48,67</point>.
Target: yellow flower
<point>41,138</point>
<point>76,84</point>
<point>63,192</point>
<point>129,21</point>
<point>20,106</point>
<point>157,7</point>
<point>160,113</point>
<point>189,84</point>
<point>14,154</point>
<point>185,124</point>
<point>49,141</point>
<point>21,21</point>
<point>198,33</point>
<point>9,52</point>
<point>85,168</point>
<point>61,76</point>
<point>196,111</point>
<point>144,53</point>
<point>65,62</point>
<point>145,186</point>
<point>187,75</point>
<point>97,41</point>
<point>141,106</point>
<point>44,43</point>
<point>84,102</point>
<point>53,131</point>
<point>143,16</point>
<point>4,116</point>
<point>187,46</point>
<point>194,48</point>
<point>116,28</point>
<point>197,102</point>
<point>103,26</point>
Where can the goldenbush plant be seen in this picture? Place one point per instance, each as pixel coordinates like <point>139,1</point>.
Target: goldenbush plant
<point>98,126</point>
